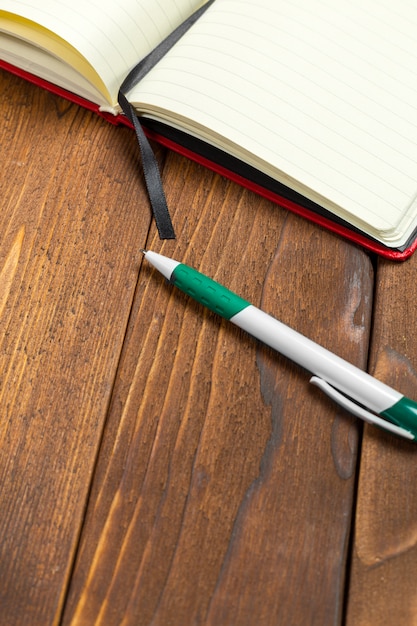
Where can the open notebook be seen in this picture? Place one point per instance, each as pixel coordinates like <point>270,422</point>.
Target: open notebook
<point>311,103</point>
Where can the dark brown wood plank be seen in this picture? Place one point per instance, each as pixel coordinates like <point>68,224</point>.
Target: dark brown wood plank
<point>384,569</point>
<point>69,259</point>
<point>224,487</point>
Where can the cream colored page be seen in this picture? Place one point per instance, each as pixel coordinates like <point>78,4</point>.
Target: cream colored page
<point>113,36</point>
<point>325,91</point>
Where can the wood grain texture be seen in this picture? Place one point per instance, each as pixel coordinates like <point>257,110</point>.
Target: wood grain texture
<point>224,487</point>
<point>158,466</point>
<point>384,569</point>
<point>68,269</point>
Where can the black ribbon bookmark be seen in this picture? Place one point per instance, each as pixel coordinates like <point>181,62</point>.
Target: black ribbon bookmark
<point>149,163</point>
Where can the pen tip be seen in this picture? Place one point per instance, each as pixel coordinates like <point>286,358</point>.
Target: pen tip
<point>142,250</point>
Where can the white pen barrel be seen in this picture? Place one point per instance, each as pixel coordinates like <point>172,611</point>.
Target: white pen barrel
<point>347,378</point>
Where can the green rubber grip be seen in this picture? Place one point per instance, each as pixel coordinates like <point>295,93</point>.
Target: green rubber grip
<point>206,291</point>
<point>404,414</point>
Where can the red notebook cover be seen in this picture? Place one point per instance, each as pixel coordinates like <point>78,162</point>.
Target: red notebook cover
<point>322,220</point>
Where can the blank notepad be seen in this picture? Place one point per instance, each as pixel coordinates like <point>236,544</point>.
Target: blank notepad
<point>318,94</point>
<point>111,36</point>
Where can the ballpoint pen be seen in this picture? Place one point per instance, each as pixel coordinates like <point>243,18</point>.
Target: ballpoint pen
<point>358,392</point>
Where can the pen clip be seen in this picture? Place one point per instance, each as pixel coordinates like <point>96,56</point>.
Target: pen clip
<point>357,410</point>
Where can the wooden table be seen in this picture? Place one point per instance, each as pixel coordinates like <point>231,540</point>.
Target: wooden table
<point>158,466</point>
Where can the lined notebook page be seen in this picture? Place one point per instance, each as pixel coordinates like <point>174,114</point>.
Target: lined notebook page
<point>321,94</point>
<point>113,36</point>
